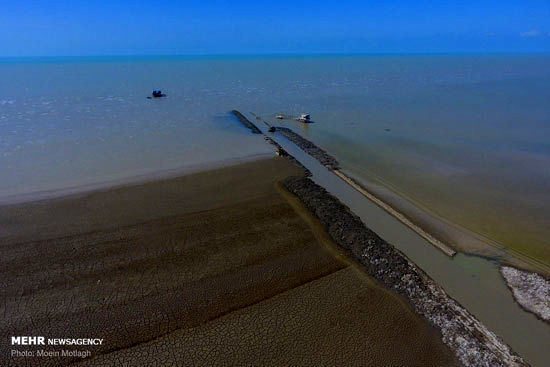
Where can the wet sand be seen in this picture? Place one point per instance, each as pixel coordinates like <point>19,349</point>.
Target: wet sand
<point>217,267</point>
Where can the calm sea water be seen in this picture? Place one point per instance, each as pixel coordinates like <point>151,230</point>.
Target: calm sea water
<point>467,136</point>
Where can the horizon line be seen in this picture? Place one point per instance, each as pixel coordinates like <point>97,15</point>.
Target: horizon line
<point>390,53</point>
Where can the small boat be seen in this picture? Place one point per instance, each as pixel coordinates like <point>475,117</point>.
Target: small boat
<point>304,117</point>
<point>279,117</point>
<point>157,93</point>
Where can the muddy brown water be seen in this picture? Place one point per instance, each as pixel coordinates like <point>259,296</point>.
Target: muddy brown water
<point>474,281</point>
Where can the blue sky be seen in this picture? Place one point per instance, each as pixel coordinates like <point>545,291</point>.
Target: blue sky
<point>122,27</point>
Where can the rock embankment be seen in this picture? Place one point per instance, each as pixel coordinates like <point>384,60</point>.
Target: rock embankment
<point>471,341</point>
<point>280,149</point>
<point>288,156</point>
<point>530,290</point>
<point>322,156</point>
<point>246,122</point>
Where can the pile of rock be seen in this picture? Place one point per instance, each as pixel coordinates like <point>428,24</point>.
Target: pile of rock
<point>246,122</point>
<point>284,153</point>
<point>531,290</point>
<point>313,150</point>
<point>471,341</point>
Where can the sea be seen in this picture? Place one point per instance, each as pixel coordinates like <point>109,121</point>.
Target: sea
<point>464,136</point>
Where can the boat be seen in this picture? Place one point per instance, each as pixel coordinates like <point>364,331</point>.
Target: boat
<point>304,117</point>
<point>157,93</point>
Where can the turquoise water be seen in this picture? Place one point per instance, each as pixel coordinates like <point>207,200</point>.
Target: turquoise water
<point>468,136</point>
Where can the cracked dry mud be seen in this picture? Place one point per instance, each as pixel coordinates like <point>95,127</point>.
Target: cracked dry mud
<point>213,268</point>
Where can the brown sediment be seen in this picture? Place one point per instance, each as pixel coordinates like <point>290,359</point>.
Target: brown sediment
<point>461,239</point>
<point>402,218</point>
<point>471,341</point>
<point>444,235</point>
<point>210,268</point>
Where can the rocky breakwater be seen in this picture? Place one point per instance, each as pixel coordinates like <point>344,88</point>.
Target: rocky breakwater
<point>246,122</point>
<point>471,341</point>
<point>283,153</point>
<point>322,156</point>
<point>280,151</point>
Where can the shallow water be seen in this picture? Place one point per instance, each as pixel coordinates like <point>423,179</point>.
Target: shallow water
<point>73,123</point>
<point>475,282</point>
<point>467,136</point>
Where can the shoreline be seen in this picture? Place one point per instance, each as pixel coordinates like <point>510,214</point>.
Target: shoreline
<point>484,249</point>
<point>396,214</point>
<point>331,164</point>
<point>172,268</point>
<point>471,341</point>
<point>427,257</point>
<point>460,238</point>
<point>443,234</point>
<point>126,181</point>
<point>418,277</point>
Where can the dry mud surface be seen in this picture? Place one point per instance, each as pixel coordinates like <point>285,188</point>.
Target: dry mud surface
<point>215,268</point>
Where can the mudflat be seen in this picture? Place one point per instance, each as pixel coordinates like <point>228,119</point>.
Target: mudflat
<point>221,267</point>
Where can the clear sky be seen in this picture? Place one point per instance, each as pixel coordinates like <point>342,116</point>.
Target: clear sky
<point>124,27</point>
